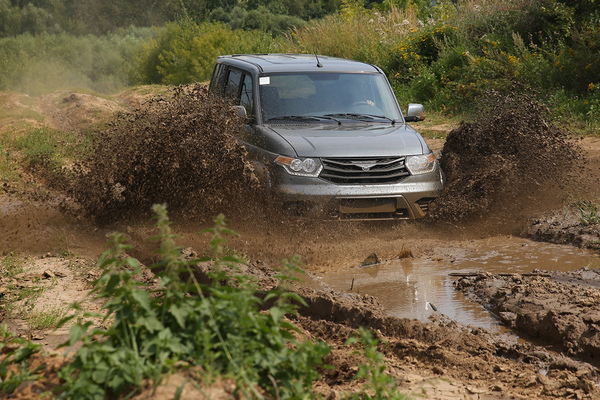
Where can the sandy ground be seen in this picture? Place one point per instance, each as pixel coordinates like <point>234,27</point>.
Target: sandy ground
<point>434,360</point>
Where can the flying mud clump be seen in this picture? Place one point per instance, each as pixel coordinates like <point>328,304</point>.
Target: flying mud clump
<point>179,151</point>
<point>506,155</point>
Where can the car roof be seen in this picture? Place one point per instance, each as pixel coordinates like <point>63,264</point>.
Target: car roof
<point>269,63</point>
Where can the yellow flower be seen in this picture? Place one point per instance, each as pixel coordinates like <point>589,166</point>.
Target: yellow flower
<point>591,86</point>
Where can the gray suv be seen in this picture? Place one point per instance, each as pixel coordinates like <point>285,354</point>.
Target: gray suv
<point>327,135</point>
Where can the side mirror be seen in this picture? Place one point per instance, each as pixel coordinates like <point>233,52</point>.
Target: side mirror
<point>243,114</point>
<point>414,113</point>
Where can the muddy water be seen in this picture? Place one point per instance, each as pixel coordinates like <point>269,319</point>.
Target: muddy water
<point>417,287</point>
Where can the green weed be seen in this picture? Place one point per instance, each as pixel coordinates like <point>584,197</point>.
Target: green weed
<point>45,147</point>
<point>12,264</point>
<point>46,319</point>
<point>15,353</point>
<point>378,384</point>
<point>216,326</point>
<point>589,212</point>
<point>8,161</point>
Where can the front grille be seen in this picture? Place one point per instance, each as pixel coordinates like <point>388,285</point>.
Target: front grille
<point>360,171</point>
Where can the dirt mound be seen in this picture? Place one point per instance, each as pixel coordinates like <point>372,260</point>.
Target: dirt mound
<point>565,227</point>
<point>507,155</point>
<point>177,150</point>
<point>555,313</point>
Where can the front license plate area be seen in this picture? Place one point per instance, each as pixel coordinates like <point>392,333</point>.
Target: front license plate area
<point>362,206</point>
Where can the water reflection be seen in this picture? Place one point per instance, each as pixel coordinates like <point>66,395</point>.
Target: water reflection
<point>416,287</point>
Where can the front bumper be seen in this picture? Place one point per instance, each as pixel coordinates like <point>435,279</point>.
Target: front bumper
<point>408,199</point>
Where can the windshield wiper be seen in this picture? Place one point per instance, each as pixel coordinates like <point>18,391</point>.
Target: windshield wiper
<point>362,117</point>
<point>303,118</point>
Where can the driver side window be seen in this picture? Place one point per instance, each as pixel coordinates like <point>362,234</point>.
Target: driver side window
<point>247,97</point>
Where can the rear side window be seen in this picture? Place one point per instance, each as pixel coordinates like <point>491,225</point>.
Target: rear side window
<point>217,81</point>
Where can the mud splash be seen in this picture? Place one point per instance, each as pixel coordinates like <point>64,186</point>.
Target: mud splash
<point>178,150</point>
<point>503,160</point>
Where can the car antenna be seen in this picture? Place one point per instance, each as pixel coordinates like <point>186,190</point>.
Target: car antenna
<point>319,65</point>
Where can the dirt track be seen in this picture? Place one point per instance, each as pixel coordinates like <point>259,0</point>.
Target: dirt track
<point>438,360</point>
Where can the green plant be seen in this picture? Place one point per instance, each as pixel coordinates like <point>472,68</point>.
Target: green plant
<point>14,365</point>
<point>48,149</point>
<point>218,326</point>
<point>589,211</point>
<point>12,264</point>
<point>185,52</point>
<point>378,384</point>
<point>46,319</point>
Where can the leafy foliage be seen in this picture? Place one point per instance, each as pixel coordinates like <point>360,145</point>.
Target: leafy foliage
<point>450,56</point>
<point>185,52</point>
<point>100,17</point>
<point>216,326</point>
<point>443,54</point>
<point>14,365</point>
<point>378,384</point>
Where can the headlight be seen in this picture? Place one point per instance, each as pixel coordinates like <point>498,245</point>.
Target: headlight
<point>421,164</point>
<point>300,166</point>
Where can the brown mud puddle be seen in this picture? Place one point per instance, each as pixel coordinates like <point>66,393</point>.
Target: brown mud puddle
<point>422,286</point>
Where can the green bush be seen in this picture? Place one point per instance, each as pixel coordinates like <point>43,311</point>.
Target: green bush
<point>185,52</point>
<point>217,326</point>
<point>378,384</point>
<point>261,19</point>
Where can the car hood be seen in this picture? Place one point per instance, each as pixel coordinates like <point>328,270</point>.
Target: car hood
<point>351,140</point>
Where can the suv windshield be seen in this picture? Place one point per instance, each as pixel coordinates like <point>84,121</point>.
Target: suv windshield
<point>363,96</point>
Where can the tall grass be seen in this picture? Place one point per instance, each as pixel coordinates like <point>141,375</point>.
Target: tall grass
<point>364,36</point>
